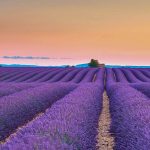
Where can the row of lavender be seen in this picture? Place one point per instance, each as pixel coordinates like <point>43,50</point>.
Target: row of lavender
<point>75,75</point>
<point>93,75</point>
<point>49,75</point>
<point>128,75</point>
<point>71,123</point>
<point>129,94</point>
<point>20,107</point>
<point>60,127</point>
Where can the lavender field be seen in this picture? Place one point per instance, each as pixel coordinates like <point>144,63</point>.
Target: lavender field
<point>65,109</point>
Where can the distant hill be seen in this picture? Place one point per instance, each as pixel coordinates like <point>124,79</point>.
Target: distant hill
<point>119,66</point>
<point>112,66</point>
<point>20,65</point>
<point>16,65</point>
<point>77,66</point>
<point>82,65</point>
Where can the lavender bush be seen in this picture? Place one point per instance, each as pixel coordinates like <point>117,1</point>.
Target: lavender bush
<point>9,75</point>
<point>146,73</point>
<point>49,75</point>
<point>140,75</point>
<point>71,123</point>
<point>13,78</point>
<point>38,76</point>
<point>130,76</point>
<point>80,76</point>
<point>60,75</point>
<point>110,78</point>
<point>89,76</point>
<point>17,109</point>
<point>130,113</point>
<point>144,88</point>
<point>9,88</point>
<point>120,77</point>
<point>70,75</point>
<point>28,76</point>
<point>100,75</point>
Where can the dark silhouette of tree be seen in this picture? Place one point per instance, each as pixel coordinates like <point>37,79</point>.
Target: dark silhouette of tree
<point>94,63</point>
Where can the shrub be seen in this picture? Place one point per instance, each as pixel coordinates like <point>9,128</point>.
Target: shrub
<point>93,63</point>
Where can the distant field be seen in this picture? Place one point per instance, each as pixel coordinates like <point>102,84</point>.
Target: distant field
<point>64,108</point>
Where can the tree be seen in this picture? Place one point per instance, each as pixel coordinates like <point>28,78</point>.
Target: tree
<point>94,63</point>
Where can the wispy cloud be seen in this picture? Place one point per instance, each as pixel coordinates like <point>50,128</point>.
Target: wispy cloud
<point>24,57</point>
<point>30,57</point>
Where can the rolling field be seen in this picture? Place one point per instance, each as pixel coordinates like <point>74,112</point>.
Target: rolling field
<point>74,108</point>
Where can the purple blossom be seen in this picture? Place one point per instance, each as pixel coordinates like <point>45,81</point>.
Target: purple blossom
<point>130,76</point>
<point>71,123</point>
<point>120,76</point>
<point>130,114</point>
<point>18,108</point>
<point>60,75</point>
<point>140,75</point>
<point>100,76</point>
<point>10,88</point>
<point>144,88</point>
<point>89,76</point>
<point>80,76</point>
<point>49,75</point>
<point>70,75</point>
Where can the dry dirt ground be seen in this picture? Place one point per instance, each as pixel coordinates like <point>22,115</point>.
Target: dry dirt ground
<point>104,139</point>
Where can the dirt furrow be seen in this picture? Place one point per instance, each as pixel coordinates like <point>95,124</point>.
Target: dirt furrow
<point>105,141</point>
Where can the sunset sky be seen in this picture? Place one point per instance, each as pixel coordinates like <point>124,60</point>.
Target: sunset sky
<point>73,31</point>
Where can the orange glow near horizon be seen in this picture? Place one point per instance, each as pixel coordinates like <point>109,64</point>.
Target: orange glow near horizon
<point>115,32</point>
